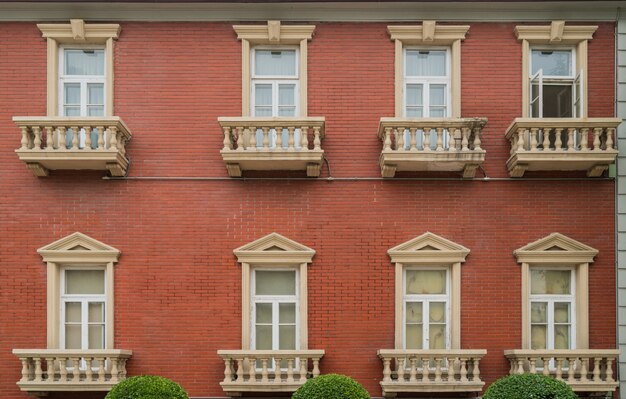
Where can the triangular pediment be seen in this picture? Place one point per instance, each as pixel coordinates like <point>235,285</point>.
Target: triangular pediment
<point>428,247</point>
<point>78,246</point>
<point>274,248</point>
<point>556,248</point>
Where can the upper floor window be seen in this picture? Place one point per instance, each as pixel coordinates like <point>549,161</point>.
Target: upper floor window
<point>427,83</point>
<point>554,69</point>
<point>275,82</point>
<point>82,81</point>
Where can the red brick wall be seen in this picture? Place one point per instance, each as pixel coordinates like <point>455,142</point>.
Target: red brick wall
<point>178,285</point>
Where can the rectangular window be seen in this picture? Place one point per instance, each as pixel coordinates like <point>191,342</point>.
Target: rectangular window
<point>82,82</point>
<point>555,86</point>
<point>427,83</point>
<point>83,306</point>
<point>426,309</point>
<point>552,308</point>
<point>275,82</point>
<point>275,304</point>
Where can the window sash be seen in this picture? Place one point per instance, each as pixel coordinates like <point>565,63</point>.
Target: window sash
<point>427,83</point>
<point>84,81</point>
<point>253,73</point>
<point>275,106</point>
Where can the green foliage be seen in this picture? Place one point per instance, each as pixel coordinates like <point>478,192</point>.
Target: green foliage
<point>529,386</point>
<point>331,386</point>
<point>147,387</point>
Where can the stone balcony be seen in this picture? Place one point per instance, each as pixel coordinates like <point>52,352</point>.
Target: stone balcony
<point>73,143</point>
<point>592,369</point>
<point>279,144</point>
<point>47,370</point>
<point>256,371</point>
<point>449,145</point>
<point>419,371</point>
<point>548,144</point>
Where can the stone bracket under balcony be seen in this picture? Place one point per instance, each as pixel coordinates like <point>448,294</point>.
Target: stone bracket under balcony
<point>592,371</point>
<point>561,144</point>
<point>48,370</point>
<point>73,143</point>
<point>421,371</point>
<point>289,143</point>
<point>453,145</point>
<point>255,371</point>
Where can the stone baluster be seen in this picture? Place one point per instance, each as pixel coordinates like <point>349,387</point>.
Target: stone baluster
<point>596,138</point>
<point>278,378</point>
<point>62,138</point>
<point>303,364</point>
<point>279,138</point>
<point>38,370</point>
<point>266,137</point>
<point>400,139</point>
<point>583,370</point>
<point>596,370</point>
<point>113,138</point>
<point>25,369</point>
<point>520,366</point>
<point>533,139</point>
<point>609,370</point>
<point>559,368</point>
<point>50,368</point>
<point>228,372</point>
<point>100,130</point>
<point>452,140</point>
<point>465,138</point>
<point>558,143</point>
<point>584,139</point>
<point>463,369</point>
<point>264,370</point>
<point>571,370</point>
<point>546,365</point>
<point>425,369</point>
<point>450,375</point>
<point>304,138</point>
<point>290,370</point>
<point>532,368</point>
<point>512,366</point>
<point>290,138</point>
<point>438,362</point>
<point>570,138</point>
<point>115,371</point>
<point>25,139</point>
<point>426,141</point>
<point>88,369</point>
<point>36,138</point>
<point>316,366</point>
<point>239,374</point>
<point>413,370</point>
<point>546,139</point>
<point>239,130</point>
<point>49,138</point>
<point>609,138</point>
<point>62,369</point>
<point>400,369</point>
<point>251,139</point>
<point>439,139</point>
<point>101,368</point>
<point>250,370</point>
<point>396,136</point>
<point>520,139</point>
<point>386,369</point>
<point>316,142</point>
<point>476,370</point>
<point>122,145</point>
<point>87,130</point>
<point>75,137</point>
<point>387,140</point>
<point>76,369</point>
<point>228,145</point>
<point>477,141</point>
<point>413,138</point>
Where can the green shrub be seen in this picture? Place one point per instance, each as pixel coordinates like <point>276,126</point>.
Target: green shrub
<point>331,386</point>
<point>147,387</point>
<point>529,386</point>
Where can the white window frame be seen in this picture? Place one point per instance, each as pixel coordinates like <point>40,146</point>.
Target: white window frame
<point>275,81</point>
<point>275,300</point>
<point>551,299</point>
<point>84,300</point>
<point>427,81</point>
<point>83,80</point>
<point>425,299</point>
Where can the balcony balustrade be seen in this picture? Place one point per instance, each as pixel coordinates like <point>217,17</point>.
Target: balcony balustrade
<point>414,371</point>
<point>257,371</point>
<point>585,370</point>
<point>561,144</point>
<point>431,144</point>
<point>73,143</point>
<point>272,144</point>
<point>45,370</point>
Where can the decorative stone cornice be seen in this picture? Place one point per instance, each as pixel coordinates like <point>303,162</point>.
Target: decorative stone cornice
<point>274,33</point>
<point>555,33</point>
<point>428,248</point>
<point>428,33</point>
<point>77,31</point>
<point>274,248</point>
<point>78,248</point>
<point>556,248</point>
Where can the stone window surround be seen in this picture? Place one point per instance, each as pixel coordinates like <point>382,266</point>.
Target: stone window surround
<point>78,33</point>
<point>574,256</point>
<point>273,34</point>
<point>259,254</point>
<point>428,34</point>
<point>555,34</point>
<point>59,255</point>
<point>444,253</point>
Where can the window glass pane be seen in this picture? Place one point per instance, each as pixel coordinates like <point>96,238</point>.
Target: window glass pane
<point>263,337</point>
<point>414,336</point>
<point>84,282</point>
<point>72,93</point>
<point>553,63</point>
<point>414,312</point>
<point>550,281</point>
<point>557,101</point>
<point>437,112</point>
<point>95,93</point>
<point>72,312</point>
<point>84,62</point>
<point>286,111</point>
<point>264,313</point>
<point>414,112</point>
<point>270,282</point>
<point>287,313</point>
<point>538,337</point>
<point>437,336</point>
<point>414,94</point>
<point>275,62</point>
<point>425,281</point>
<point>561,337</point>
<point>262,111</point>
<point>437,94</point>
<point>96,312</point>
<point>561,312</point>
<point>437,313</point>
<point>71,111</point>
<point>425,63</point>
<point>95,110</point>
<point>287,337</point>
<point>72,337</point>
<point>286,94</point>
<point>96,336</point>
<point>538,312</point>
<point>262,94</point>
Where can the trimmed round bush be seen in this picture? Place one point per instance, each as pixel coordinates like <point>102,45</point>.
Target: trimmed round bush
<point>147,387</point>
<point>529,386</point>
<point>331,386</point>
